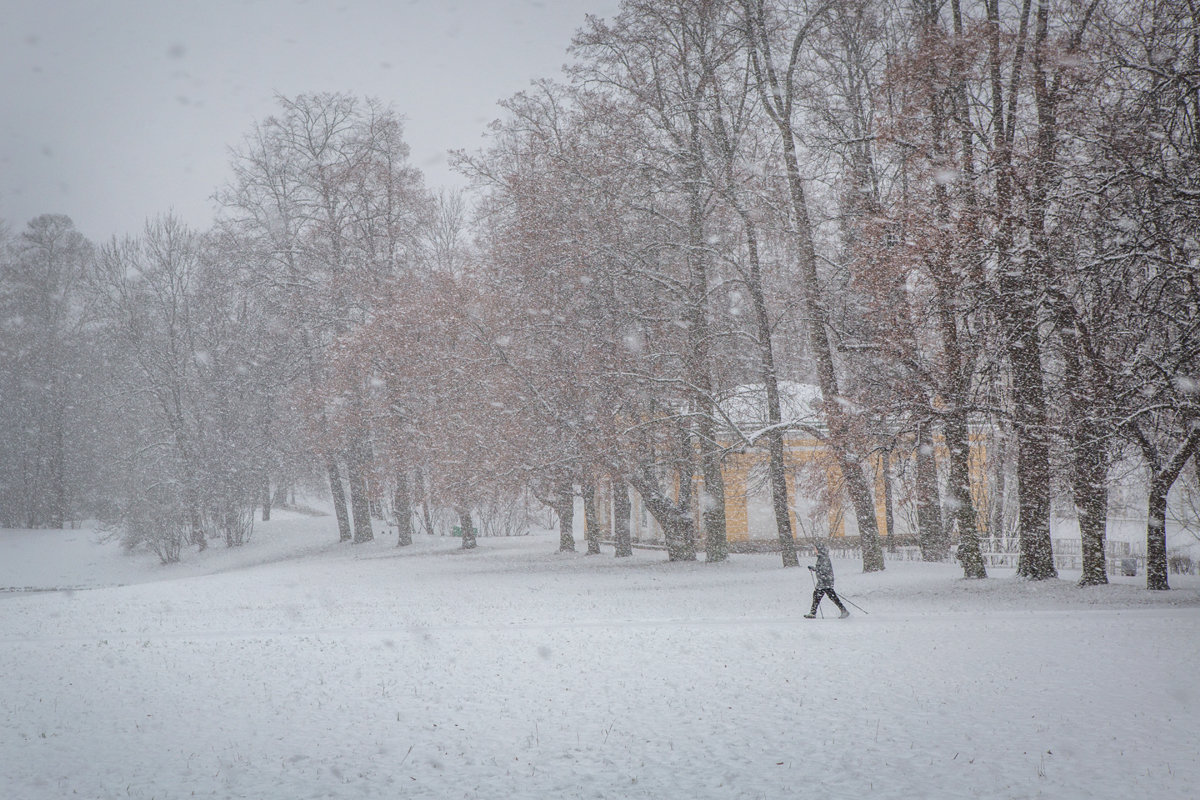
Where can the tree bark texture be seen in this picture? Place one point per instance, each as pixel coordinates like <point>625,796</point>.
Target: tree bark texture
<point>565,508</point>
<point>931,534</point>
<point>402,509</point>
<point>675,519</point>
<point>339,501</point>
<point>621,509</point>
<point>360,507</point>
<point>591,521</point>
<point>469,541</point>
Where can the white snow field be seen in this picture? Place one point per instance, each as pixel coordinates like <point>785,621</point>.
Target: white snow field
<point>296,667</point>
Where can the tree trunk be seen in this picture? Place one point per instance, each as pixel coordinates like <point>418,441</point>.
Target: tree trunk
<point>426,512</point>
<point>59,468</point>
<point>266,498</point>
<point>1033,454</point>
<point>776,464</point>
<point>1162,478</point>
<point>361,509</point>
<point>889,510</point>
<point>955,362</point>
<point>958,490</point>
<point>1019,288</point>
<point>675,519</point>
<point>777,471</point>
<point>621,510</point>
<point>591,522</point>
<point>1091,502</point>
<point>712,502</point>
<point>196,519</point>
<point>931,534</point>
<point>680,532</point>
<point>565,508</point>
<point>864,509</point>
<point>402,509</point>
<point>778,98</point>
<point>999,480</point>
<point>339,500</point>
<point>467,527</point>
<point>1156,536</point>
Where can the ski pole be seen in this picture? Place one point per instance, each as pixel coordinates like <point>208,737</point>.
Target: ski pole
<point>856,605</point>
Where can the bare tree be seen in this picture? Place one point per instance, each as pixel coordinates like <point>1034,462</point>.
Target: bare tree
<point>777,84</point>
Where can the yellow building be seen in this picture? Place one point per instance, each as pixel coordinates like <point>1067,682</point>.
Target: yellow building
<point>817,502</point>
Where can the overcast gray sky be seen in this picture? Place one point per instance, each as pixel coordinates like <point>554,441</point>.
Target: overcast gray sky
<point>112,111</point>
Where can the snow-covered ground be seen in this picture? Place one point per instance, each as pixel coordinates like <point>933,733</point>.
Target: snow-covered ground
<point>297,667</point>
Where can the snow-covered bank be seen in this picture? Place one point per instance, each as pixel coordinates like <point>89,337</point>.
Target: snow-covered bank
<point>298,667</point>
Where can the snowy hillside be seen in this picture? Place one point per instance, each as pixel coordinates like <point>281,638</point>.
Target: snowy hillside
<point>297,667</point>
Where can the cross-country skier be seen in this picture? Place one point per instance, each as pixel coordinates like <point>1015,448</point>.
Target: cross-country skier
<point>824,572</point>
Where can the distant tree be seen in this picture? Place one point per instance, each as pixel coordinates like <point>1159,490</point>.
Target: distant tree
<point>180,351</point>
<point>326,206</point>
<point>769,31</point>
<point>43,357</point>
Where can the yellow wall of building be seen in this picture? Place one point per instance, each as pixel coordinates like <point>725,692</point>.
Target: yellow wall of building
<point>807,451</point>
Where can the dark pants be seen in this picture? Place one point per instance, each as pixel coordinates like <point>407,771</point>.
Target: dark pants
<point>823,591</point>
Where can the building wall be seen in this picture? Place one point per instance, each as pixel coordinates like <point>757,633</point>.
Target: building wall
<point>818,506</point>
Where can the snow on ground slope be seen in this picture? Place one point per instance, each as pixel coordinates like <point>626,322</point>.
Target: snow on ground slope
<point>297,667</point>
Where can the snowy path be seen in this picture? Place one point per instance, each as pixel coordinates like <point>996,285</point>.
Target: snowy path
<point>514,672</point>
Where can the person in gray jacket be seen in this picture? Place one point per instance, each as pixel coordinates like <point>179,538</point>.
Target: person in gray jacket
<point>824,574</point>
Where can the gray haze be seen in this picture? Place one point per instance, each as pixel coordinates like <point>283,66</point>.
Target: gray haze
<point>116,111</point>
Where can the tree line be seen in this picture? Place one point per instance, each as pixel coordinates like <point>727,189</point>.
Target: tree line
<point>948,217</point>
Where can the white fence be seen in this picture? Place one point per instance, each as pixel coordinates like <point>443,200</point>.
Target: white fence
<point>1119,557</point>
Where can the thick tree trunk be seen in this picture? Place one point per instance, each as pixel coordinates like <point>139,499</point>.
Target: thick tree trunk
<point>931,533</point>
<point>777,473</point>
<point>339,501</point>
<point>864,509</point>
<point>591,521</point>
<point>359,505</point>
<point>402,509</point>
<point>680,532</point>
<point>1091,503</point>
<point>1156,536</point>
<point>468,528</point>
<point>1086,399</point>
<point>889,509</point>
<point>679,529</point>
<point>958,493</point>
<point>565,508</point>
<point>1033,453</point>
<point>712,502</point>
<point>1089,467</point>
<point>621,510</point>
